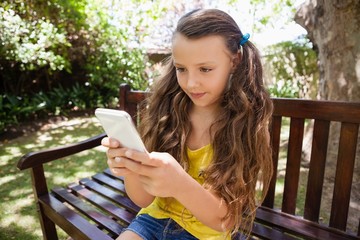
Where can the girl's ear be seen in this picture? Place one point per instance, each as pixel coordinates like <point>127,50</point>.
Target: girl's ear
<point>236,60</point>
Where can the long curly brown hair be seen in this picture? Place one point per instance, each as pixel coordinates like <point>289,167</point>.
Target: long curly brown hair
<point>241,143</point>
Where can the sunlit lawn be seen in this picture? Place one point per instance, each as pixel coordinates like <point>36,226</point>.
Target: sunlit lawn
<point>19,219</point>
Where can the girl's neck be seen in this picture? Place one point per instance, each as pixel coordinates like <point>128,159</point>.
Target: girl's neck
<point>201,121</point>
<point>204,112</point>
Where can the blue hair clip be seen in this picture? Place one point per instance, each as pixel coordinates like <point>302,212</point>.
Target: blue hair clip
<point>244,39</point>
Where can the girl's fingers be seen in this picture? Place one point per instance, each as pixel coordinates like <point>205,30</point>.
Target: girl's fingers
<point>141,157</point>
<point>110,142</point>
<point>114,163</point>
<point>105,142</point>
<point>117,161</point>
<point>117,166</point>
<point>131,165</point>
<point>115,152</point>
<point>120,171</point>
<point>123,161</point>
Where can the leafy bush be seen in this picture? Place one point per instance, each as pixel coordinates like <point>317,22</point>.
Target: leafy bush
<point>14,108</point>
<point>57,56</point>
<point>293,68</point>
<point>59,101</point>
<point>33,44</point>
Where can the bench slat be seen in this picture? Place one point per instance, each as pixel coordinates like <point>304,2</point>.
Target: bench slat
<point>103,220</point>
<point>298,226</point>
<point>293,165</point>
<point>265,232</point>
<point>110,182</point>
<point>343,178</point>
<point>275,130</point>
<point>108,173</point>
<point>110,194</point>
<point>316,170</point>
<point>104,204</point>
<point>316,109</point>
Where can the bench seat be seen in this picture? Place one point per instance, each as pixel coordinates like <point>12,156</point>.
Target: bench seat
<point>99,208</point>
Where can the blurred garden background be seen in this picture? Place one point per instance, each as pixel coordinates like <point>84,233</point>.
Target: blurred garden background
<point>63,56</point>
<point>60,59</point>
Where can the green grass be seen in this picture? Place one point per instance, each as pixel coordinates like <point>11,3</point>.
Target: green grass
<point>19,219</point>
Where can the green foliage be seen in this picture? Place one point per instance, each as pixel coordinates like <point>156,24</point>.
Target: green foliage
<point>121,53</point>
<point>58,101</point>
<point>294,70</point>
<point>13,108</point>
<point>272,13</point>
<point>32,43</point>
<point>57,56</point>
<point>52,36</point>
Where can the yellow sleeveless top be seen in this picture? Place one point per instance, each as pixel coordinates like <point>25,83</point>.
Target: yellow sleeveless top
<point>170,208</point>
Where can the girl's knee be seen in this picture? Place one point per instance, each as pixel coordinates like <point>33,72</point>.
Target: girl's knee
<point>129,235</point>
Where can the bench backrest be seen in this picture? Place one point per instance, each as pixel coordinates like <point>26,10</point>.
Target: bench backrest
<point>129,101</point>
<point>300,114</point>
<point>338,121</point>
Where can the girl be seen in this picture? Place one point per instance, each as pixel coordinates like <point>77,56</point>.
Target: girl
<point>206,129</point>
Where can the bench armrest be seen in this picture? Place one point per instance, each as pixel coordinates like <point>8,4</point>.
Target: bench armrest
<point>34,159</point>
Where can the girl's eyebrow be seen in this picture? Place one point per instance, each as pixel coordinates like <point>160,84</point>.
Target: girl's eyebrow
<point>206,63</point>
<point>198,64</point>
<point>178,64</point>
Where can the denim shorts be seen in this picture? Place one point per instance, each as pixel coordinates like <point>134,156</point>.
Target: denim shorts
<point>150,228</point>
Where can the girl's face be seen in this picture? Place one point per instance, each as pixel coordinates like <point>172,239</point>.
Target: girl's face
<point>203,67</point>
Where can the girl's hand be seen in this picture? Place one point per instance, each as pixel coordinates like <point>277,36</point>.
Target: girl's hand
<point>159,173</point>
<point>118,164</point>
<point>114,154</point>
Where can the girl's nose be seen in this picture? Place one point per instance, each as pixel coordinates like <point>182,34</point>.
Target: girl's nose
<point>193,80</point>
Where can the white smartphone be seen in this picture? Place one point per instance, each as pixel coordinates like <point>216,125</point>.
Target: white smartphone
<point>118,124</point>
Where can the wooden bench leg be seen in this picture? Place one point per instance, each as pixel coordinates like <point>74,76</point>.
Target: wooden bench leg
<point>47,226</point>
<point>39,188</point>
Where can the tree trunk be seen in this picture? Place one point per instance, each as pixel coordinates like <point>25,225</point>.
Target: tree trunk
<point>333,26</point>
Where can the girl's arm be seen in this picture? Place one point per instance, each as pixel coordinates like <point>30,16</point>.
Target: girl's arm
<point>136,192</point>
<point>161,175</point>
<point>202,203</point>
<point>133,185</point>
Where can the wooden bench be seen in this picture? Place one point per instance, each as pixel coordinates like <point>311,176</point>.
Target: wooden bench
<point>98,208</point>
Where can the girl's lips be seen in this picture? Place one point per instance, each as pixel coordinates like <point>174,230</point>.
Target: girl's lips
<point>197,95</point>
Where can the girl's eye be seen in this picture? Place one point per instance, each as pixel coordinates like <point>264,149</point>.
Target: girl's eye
<point>205,70</point>
<point>179,69</point>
